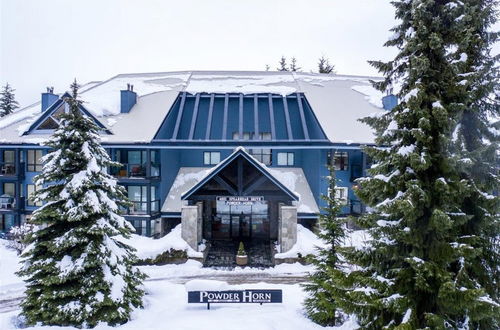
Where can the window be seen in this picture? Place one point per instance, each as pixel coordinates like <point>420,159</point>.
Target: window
<point>9,189</point>
<point>342,195</point>
<point>8,167</point>
<point>263,155</point>
<point>285,158</point>
<point>34,160</point>
<point>137,163</point>
<point>53,121</point>
<point>138,195</point>
<point>340,161</point>
<point>211,157</point>
<point>30,190</point>
<point>155,203</point>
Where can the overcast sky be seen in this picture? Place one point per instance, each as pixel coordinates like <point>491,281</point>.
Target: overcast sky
<point>50,42</point>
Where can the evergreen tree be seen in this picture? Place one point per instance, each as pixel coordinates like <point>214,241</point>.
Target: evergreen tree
<point>77,273</point>
<point>293,65</point>
<point>320,305</point>
<point>282,64</point>
<point>8,102</point>
<point>414,271</point>
<point>324,66</point>
<point>475,140</point>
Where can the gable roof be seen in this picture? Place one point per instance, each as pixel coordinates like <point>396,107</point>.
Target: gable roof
<point>338,101</point>
<point>53,108</point>
<point>239,152</point>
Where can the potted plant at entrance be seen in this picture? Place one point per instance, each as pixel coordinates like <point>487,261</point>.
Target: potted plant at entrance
<point>241,256</point>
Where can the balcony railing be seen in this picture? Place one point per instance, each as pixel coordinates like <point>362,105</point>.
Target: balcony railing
<point>10,203</point>
<point>10,169</point>
<point>141,208</point>
<point>136,171</point>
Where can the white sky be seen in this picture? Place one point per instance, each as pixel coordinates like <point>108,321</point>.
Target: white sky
<point>50,42</point>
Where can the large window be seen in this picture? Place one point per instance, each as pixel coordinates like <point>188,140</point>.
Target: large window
<point>137,163</point>
<point>34,160</point>
<point>265,155</point>
<point>211,157</point>
<point>8,166</point>
<point>30,190</point>
<point>286,158</point>
<point>341,194</point>
<point>340,161</point>
<point>138,195</point>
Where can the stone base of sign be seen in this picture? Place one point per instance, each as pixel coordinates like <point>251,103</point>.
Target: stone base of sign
<point>287,227</point>
<point>191,224</point>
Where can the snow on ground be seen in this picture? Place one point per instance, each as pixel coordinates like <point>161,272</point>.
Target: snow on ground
<point>194,268</point>
<point>307,243</point>
<point>149,248</point>
<point>9,265</point>
<point>166,307</point>
<point>166,302</point>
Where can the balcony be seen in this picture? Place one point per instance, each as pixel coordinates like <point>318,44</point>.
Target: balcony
<point>10,170</point>
<point>9,203</point>
<point>141,208</point>
<point>136,171</point>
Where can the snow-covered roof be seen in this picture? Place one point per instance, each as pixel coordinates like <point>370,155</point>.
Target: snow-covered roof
<point>293,178</point>
<point>338,101</point>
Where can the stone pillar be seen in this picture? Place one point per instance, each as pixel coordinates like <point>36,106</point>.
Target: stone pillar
<point>287,227</point>
<point>190,225</point>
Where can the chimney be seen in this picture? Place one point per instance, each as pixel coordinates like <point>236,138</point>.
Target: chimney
<point>389,102</point>
<point>127,99</point>
<point>48,98</point>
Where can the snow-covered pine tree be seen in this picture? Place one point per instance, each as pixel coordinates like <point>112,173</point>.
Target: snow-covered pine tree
<point>409,274</point>
<point>293,65</point>
<point>8,101</point>
<point>476,142</point>
<point>77,273</point>
<point>324,66</point>
<point>282,64</point>
<point>320,305</point>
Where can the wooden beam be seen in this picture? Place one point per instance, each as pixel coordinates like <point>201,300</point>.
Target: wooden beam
<point>240,176</point>
<point>210,114</point>
<point>256,116</point>
<point>287,119</point>
<point>240,124</point>
<point>195,116</point>
<point>179,116</point>
<point>302,117</point>
<point>224,120</point>
<point>220,180</point>
<point>254,185</point>
<point>271,117</point>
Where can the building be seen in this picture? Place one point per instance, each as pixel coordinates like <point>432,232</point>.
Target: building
<point>231,155</point>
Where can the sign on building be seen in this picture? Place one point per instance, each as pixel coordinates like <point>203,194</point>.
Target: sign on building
<point>240,200</point>
<point>235,296</point>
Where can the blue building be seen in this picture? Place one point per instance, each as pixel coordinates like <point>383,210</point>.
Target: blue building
<point>231,155</point>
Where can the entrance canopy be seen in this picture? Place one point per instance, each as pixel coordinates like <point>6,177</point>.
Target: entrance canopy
<point>240,175</point>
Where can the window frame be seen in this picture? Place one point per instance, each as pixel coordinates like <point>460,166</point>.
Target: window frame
<point>29,201</point>
<point>289,158</point>
<point>37,164</point>
<point>211,159</point>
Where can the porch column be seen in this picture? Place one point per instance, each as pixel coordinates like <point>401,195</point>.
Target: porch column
<point>191,224</point>
<point>287,227</point>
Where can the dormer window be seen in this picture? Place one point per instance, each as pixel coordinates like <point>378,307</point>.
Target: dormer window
<point>53,121</point>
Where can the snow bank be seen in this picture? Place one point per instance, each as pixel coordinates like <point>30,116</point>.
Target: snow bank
<point>307,243</point>
<point>206,285</point>
<point>166,307</point>
<point>193,268</point>
<point>149,248</point>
